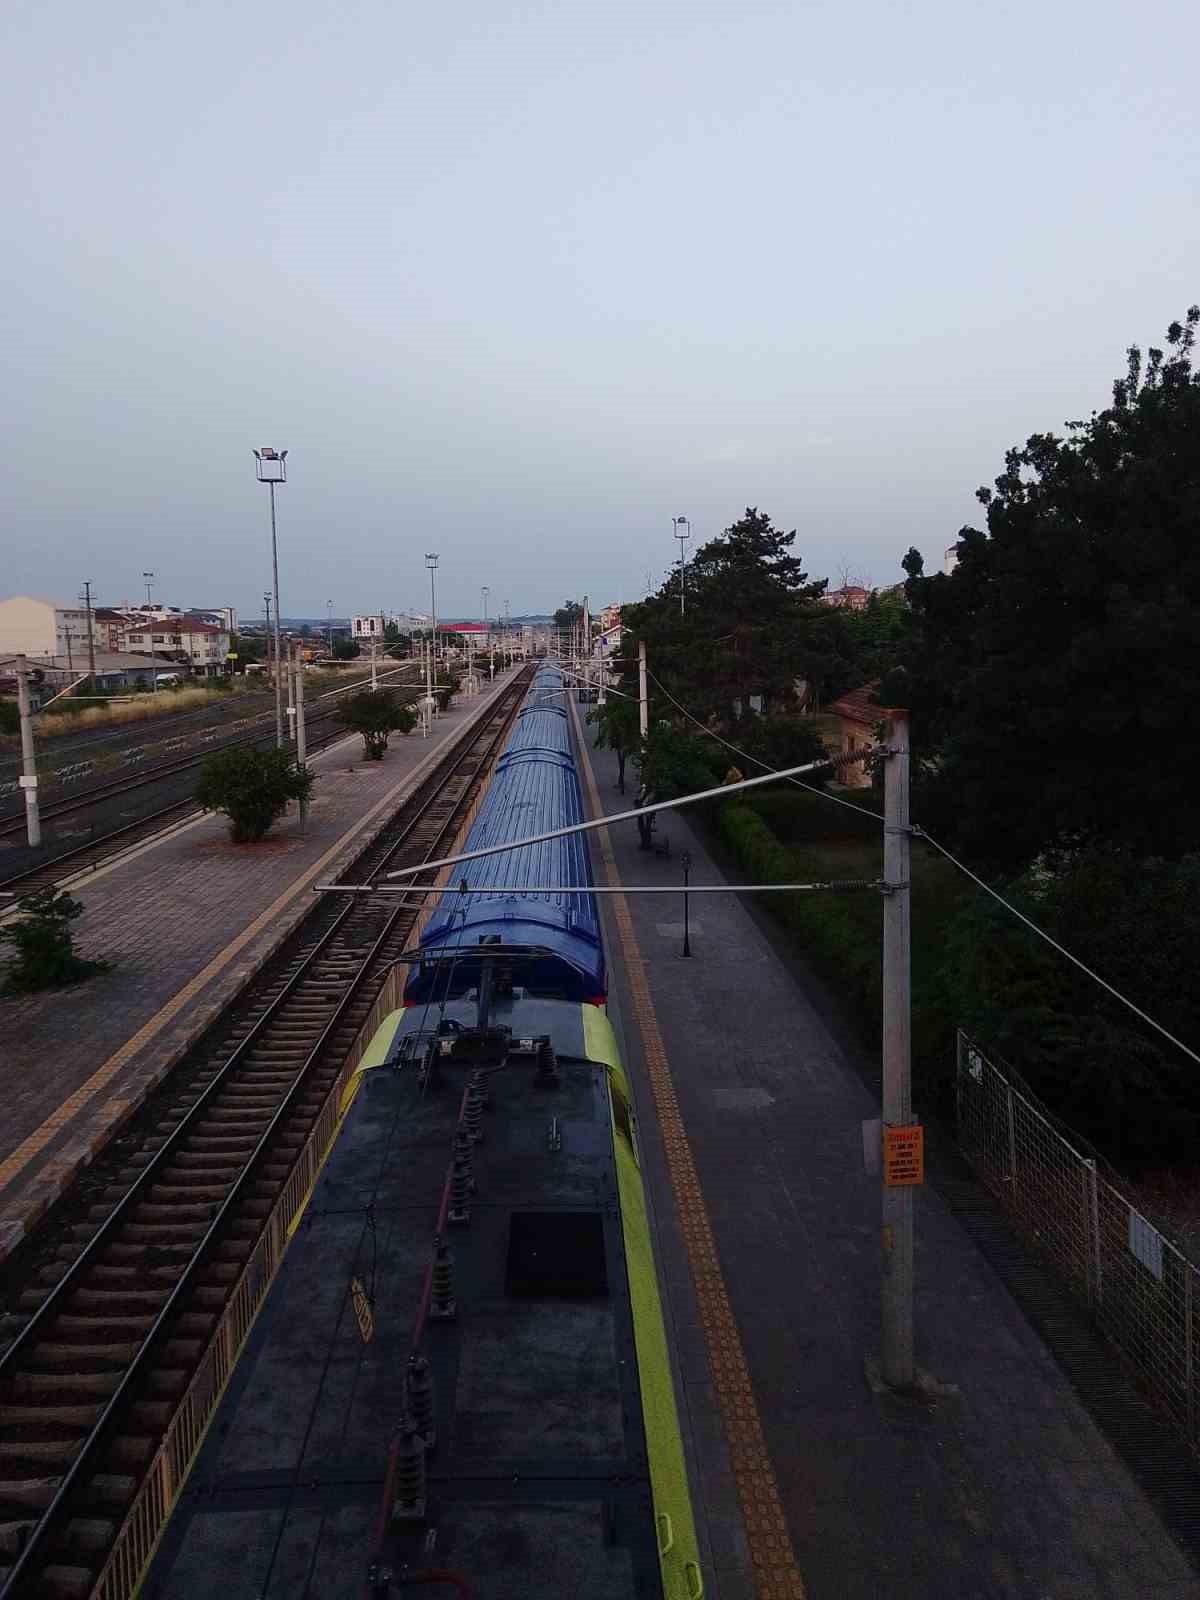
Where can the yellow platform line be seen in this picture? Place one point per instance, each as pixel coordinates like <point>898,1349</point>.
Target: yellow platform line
<point>776,1572</point>
<point>26,1152</point>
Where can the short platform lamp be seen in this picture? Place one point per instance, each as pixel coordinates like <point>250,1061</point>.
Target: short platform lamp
<point>271,468</point>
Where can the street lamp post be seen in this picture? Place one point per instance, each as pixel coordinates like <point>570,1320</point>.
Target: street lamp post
<point>487,638</point>
<point>683,538</point>
<point>431,561</point>
<point>329,627</point>
<point>271,468</point>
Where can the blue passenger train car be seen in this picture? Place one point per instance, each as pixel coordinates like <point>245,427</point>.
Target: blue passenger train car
<point>554,938</point>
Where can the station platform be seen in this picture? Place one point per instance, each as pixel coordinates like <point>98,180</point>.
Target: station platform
<point>750,1101</point>
<point>185,921</point>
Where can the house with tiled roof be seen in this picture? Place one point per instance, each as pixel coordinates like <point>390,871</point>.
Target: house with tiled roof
<point>858,723</point>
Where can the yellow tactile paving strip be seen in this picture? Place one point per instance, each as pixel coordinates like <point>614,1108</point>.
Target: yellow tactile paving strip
<point>776,1573</point>
<point>28,1151</point>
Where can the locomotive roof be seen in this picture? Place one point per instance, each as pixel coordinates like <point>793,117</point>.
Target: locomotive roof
<point>539,1483</point>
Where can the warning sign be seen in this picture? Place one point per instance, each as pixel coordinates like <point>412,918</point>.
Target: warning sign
<point>904,1155</point>
<point>362,1310</point>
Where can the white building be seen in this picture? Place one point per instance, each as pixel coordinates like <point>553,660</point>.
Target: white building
<point>950,559</point>
<point>33,627</point>
<point>198,645</point>
<point>368,627</point>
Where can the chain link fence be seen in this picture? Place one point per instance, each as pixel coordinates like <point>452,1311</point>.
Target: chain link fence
<point>1140,1288</point>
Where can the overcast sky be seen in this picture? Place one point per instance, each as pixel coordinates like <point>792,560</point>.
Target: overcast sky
<point>520,282</point>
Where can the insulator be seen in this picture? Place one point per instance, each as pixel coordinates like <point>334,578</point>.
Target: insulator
<point>473,1115</point>
<point>442,1304</point>
<point>460,1193</point>
<point>418,1391</point>
<point>427,1071</point>
<point>546,1074</point>
<point>409,1504</point>
<point>464,1148</point>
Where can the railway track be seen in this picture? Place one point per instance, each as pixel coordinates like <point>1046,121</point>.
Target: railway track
<point>125,1299</point>
<point>322,731</point>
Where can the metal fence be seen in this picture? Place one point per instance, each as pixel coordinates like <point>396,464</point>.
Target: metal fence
<point>1140,1288</point>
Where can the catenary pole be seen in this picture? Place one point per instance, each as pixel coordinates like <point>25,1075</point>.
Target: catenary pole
<point>897,1206</point>
<point>643,704</point>
<point>87,600</point>
<point>301,741</point>
<point>33,821</point>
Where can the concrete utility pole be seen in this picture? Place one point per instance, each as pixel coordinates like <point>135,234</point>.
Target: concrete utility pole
<point>301,742</point>
<point>87,600</point>
<point>643,702</point>
<point>28,779</point>
<point>267,641</point>
<point>374,669</point>
<point>898,1370</point>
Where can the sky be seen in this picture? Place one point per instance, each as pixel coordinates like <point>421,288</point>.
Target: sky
<point>519,283</point>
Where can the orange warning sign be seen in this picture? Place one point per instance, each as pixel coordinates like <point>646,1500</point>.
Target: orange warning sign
<point>904,1155</point>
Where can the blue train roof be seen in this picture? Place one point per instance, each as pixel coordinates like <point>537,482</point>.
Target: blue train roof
<point>534,790</point>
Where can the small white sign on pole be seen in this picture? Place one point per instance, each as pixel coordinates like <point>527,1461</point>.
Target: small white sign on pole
<point>1145,1244</point>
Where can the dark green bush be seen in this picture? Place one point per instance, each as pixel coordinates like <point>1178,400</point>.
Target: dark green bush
<point>45,949</point>
<point>252,788</point>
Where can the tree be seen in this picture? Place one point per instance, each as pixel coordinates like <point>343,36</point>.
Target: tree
<point>450,687</point>
<point>1054,676</point>
<point>745,628</point>
<point>345,649</point>
<point>1138,923</point>
<point>391,633</point>
<point>617,729</point>
<point>568,614</point>
<point>376,714</point>
<point>45,948</point>
<point>670,764</point>
<point>252,787</point>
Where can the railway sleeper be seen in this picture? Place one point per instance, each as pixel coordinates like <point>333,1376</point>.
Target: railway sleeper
<point>119,1299</point>
<point>133,1326</point>
<point>123,1252</point>
<point>37,1457</point>
<point>50,1420</point>
<point>178,1214</point>
<point>113,1355</point>
<point>212,1174</point>
<point>62,1582</point>
<point>34,1493</point>
<point>187,1194</point>
<point>143,1231</point>
<point>32,1384</point>
<point>218,1144</point>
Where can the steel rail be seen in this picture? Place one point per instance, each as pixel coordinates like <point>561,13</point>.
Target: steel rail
<point>41,869</point>
<point>49,868</point>
<point>122,784</point>
<point>105,1424</point>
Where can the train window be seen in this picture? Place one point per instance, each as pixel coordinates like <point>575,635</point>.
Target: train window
<point>556,1253</point>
